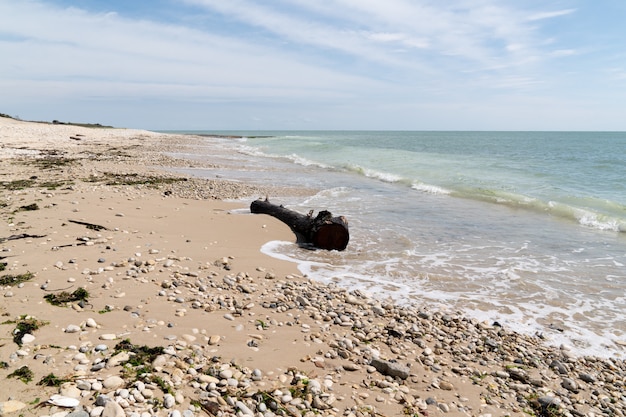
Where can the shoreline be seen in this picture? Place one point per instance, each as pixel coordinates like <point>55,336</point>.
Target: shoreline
<point>231,330</point>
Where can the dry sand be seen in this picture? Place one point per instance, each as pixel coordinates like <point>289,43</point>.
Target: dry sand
<point>176,269</point>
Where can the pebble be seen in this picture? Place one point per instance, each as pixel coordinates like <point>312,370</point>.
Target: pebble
<point>366,354</point>
<point>11,406</point>
<point>113,382</point>
<point>28,338</point>
<point>72,328</point>
<point>113,409</point>
<point>169,401</point>
<point>569,384</point>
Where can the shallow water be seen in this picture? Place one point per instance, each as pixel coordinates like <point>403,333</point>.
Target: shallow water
<point>523,228</point>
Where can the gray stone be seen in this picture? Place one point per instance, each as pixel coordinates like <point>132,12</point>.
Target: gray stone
<point>98,366</point>
<point>588,378</point>
<point>389,368</point>
<point>569,384</point>
<point>244,409</point>
<point>70,390</point>
<point>101,400</point>
<point>72,328</point>
<point>113,409</point>
<point>118,359</point>
<point>113,382</point>
<point>548,401</point>
<point>78,413</point>
<point>169,401</point>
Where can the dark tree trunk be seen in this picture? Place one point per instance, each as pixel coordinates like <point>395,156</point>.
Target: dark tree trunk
<point>323,231</point>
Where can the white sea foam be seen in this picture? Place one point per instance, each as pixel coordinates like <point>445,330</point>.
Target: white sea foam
<point>483,303</point>
<point>480,236</point>
<point>428,188</point>
<point>374,174</point>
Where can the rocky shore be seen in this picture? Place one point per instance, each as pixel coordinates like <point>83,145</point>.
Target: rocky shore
<point>130,291</point>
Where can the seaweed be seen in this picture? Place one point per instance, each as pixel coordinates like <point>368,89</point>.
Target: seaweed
<point>65,297</point>
<point>52,380</point>
<point>18,184</point>
<point>25,325</point>
<point>142,354</point>
<point>29,207</point>
<point>140,363</point>
<point>53,185</point>
<point>24,374</point>
<point>52,163</point>
<point>15,279</point>
<point>133,179</point>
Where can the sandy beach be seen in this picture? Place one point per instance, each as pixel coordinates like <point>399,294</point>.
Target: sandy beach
<point>165,306</point>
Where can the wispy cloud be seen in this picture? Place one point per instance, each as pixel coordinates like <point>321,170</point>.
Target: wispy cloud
<point>550,15</point>
<point>290,52</point>
<point>371,30</point>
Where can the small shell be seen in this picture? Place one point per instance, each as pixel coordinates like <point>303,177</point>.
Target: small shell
<point>61,401</point>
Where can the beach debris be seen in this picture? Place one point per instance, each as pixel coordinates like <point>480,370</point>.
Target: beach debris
<point>89,226</point>
<point>323,231</point>
<point>63,401</point>
<point>21,236</point>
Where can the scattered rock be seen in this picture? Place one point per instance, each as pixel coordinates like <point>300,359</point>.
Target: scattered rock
<point>393,369</point>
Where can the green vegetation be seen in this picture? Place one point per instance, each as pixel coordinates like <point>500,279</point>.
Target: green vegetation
<point>18,184</point>
<point>25,325</point>
<point>133,179</point>
<point>139,365</point>
<point>49,162</point>
<point>3,266</point>
<point>29,207</point>
<point>65,297</point>
<point>52,380</point>
<point>16,279</point>
<point>542,410</point>
<point>54,185</point>
<point>141,354</point>
<point>3,365</point>
<point>24,374</point>
<point>98,125</point>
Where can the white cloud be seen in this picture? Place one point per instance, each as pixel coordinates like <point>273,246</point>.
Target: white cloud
<point>283,54</point>
<point>550,15</point>
<point>466,31</point>
<point>75,47</point>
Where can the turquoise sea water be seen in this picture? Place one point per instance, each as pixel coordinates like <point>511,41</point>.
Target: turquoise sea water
<point>524,228</point>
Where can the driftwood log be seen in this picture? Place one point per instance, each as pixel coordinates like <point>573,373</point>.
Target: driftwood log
<point>322,231</point>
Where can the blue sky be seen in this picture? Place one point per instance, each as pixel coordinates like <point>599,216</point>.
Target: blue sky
<point>316,64</point>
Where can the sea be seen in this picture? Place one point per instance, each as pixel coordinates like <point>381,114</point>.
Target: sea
<point>526,229</point>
